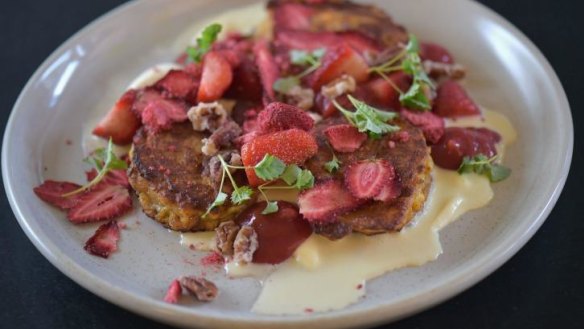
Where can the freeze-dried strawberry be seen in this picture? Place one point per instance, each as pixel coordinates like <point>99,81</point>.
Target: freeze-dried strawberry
<point>119,124</point>
<point>114,177</point>
<point>179,84</point>
<point>369,178</point>
<point>452,101</point>
<point>105,240</point>
<point>325,201</point>
<point>174,292</point>
<point>431,124</point>
<point>391,191</point>
<point>156,112</point>
<point>268,68</point>
<point>52,192</point>
<point>279,116</point>
<point>345,138</point>
<point>104,201</point>
<point>436,53</point>
<point>216,77</point>
<point>383,94</point>
<point>292,16</point>
<point>293,146</point>
<point>336,62</point>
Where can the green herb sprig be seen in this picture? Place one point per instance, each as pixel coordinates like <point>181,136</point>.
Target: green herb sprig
<point>204,42</point>
<point>368,119</point>
<point>482,165</point>
<point>408,61</point>
<point>104,160</point>
<point>302,58</point>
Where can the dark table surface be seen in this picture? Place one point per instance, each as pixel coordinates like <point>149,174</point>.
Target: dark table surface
<point>541,287</point>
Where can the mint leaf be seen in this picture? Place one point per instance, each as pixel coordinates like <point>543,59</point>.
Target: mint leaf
<point>241,194</point>
<point>269,168</point>
<point>284,85</point>
<point>290,175</point>
<point>204,42</point>
<point>271,207</point>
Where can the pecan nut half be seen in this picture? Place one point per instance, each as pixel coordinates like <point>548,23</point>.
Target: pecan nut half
<point>202,289</point>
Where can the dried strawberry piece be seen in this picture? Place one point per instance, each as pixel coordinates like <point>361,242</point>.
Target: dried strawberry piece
<point>325,201</point>
<point>431,124</point>
<point>336,62</point>
<point>104,201</point>
<point>435,53</point>
<point>370,179</point>
<point>293,146</point>
<point>119,124</point>
<point>105,240</point>
<point>279,116</point>
<point>114,177</point>
<point>174,292</point>
<point>268,69</point>
<point>179,84</point>
<point>52,192</point>
<point>452,101</point>
<point>345,138</point>
<point>157,112</point>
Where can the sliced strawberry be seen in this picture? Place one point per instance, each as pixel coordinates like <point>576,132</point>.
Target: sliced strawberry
<point>179,84</point>
<point>345,138</point>
<point>306,40</point>
<point>279,116</point>
<point>157,112</point>
<point>52,192</point>
<point>431,124</point>
<point>105,240</point>
<point>120,124</point>
<point>268,68</point>
<point>367,179</point>
<point>392,189</point>
<point>383,94</point>
<point>194,69</point>
<point>293,146</point>
<point>435,53</point>
<point>114,177</point>
<point>325,201</point>
<point>104,201</point>
<point>452,101</point>
<point>338,61</point>
<point>217,77</point>
<point>246,82</point>
<point>173,293</point>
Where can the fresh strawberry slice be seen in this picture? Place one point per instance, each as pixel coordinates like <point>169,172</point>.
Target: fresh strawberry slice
<point>383,94</point>
<point>114,177</point>
<point>52,192</point>
<point>120,124</point>
<point>305,40</point>
<point>431,124</point>
<point>336,62</point>
<point>179,84</point>
<point>104,201</point>
<point>325,201</point>
<point>173,293</point>
<point>367,179</point>
<point>105,240</point>
<point>279,116</point>
<point>345,138</point>
<point>293,146</point>
<point>246,82</point>
<point>435,53</point>
<point>452,101</point>
<point>268,68</point>
<point>217,77</point>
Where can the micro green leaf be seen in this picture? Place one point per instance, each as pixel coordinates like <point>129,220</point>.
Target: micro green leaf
<point>299,57</point>
<point>284,85</point>
<point>241,194</point>
<point>332,165</point>
<point>368,119</point>
<point>269,168</point>
<point>290,175</point>
<point>271,207</point>
<point>204,42</point>
<point>482,165</point>
<point>219,201</point>
<point>305,180</point>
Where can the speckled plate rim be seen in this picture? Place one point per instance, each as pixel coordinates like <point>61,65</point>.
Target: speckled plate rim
<point>457,282</point>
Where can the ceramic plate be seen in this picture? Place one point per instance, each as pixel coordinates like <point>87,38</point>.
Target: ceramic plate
<point>87,73</point>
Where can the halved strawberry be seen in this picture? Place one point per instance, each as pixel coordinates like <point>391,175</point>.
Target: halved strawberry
<point>452,101</point>
<point>345,138</point>
<point>217,77</point>
<point>104,201</point>
<point>119,124</point>
<point>157,112</point>
<point>338,61</point>
<point>279,116</point>
<point>268,68</point>
<point>431,124</point>
<point>174,292</point>
<point>179,84</point>
<point>383,94</point>
<point>105,240</point>
<point>325,201</point>
<point>435,53</point>
<point>114,177</point>
<point>371,179</point>
<point>52,192</point>
<point>293,146</point>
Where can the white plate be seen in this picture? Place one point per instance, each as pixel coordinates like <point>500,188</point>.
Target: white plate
<point>507,73</point>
